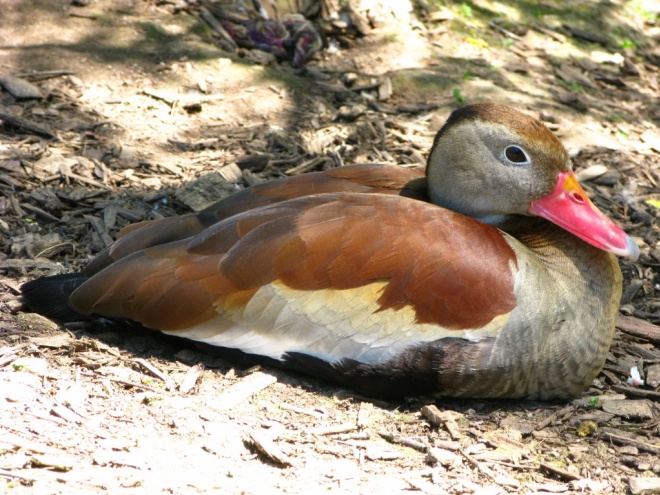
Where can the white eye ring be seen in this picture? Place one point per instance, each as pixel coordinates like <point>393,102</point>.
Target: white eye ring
<point>515,155</point>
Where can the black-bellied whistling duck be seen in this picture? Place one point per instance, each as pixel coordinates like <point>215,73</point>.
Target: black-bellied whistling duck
<point>353,275</point>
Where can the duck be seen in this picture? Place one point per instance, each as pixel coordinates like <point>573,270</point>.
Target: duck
<point>487,274</point>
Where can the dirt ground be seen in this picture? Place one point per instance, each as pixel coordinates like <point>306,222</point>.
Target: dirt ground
<point>141,111</point>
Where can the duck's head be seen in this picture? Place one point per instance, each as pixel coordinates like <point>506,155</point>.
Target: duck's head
<point>491,162</point>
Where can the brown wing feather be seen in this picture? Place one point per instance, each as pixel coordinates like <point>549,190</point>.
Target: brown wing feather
<point>429,257</point>
<point>368,178</point>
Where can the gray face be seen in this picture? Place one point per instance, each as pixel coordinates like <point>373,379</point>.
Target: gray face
<point>489,169</point>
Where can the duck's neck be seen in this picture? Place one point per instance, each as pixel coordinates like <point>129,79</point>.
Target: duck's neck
<point>576,288</point>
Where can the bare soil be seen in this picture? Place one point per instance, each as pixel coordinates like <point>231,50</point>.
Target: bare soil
<point>143,114</point>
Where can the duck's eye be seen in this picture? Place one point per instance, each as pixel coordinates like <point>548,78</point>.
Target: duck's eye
<point>516,155</point>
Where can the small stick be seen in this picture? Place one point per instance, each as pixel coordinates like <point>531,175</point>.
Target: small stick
<point>505,32</point>
<point>83,15</point>
<point>135,385</point>
<point>9,474</point>
<point>46,74</point>
<point>621,440</point>
<point>562,473</point>
<point>40,416</point>
<point>332,430</point>
<point>401,440</point>
<point>308,412</point>
<point>553,417</point>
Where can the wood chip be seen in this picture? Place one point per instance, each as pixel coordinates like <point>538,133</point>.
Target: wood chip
<point>559,472</point>
<point>639,328</point>
<point>267,447</point>
<point>385,89</point>
<point>644,486</point>
<point>638,409</point>
<point>448,445</point>
<point>26,125</point>
<point>445,418</point>
<point>443,457</point>
<point>244,389</point>
<point>591,173</point>
<point>20,88</point>
<point>155,372</point>
<point>192,375</point>
<point>572,75</point>
<point>653,375</point>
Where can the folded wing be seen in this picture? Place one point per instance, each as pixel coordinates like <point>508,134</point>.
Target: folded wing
<point>326,275</point>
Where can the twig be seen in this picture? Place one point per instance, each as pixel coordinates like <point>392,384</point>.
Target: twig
<point>66,414</point>
<point>39,212</point>
<point>621,440</point>
<point>562,473</point>
<point>478,465</point>
<point>46,74</point>
<point>553,417</point>
<point>307,166</point>
<point>9,474</point>
<point>85,180</point>
<point>135,385</point>
<point>405,441</point>
<point>637,392</point>
<point>553,34</point>
<point>505,32</point>
<point>308,412</point>
<point>39,416</point>
<point>217,27</point>
<point>332,430</point>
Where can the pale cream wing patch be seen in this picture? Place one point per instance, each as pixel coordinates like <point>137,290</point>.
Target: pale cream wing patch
<point>328,323</point>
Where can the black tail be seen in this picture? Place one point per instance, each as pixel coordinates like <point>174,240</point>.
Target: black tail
<point>49,296</point>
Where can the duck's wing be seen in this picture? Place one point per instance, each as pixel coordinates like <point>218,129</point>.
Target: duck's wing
<point>367,178</point>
